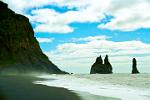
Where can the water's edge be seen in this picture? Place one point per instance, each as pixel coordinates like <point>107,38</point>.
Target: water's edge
<point>92,87</point>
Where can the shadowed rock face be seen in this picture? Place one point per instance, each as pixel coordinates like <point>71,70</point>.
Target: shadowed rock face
<point>99,68</point>
<point>107,64</point>
<point>99,60</point>
<point>134,67</point>
<point>19,49</point>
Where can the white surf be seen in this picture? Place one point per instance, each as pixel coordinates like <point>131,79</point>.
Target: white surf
<point>122,86</point>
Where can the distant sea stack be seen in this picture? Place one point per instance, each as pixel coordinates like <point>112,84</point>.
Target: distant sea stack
<point>99,68</point>
<point>19,49</point>
<point>134,67</point>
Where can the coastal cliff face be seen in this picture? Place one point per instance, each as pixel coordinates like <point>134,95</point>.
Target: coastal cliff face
<point>19,49</point>
<point>99,68</point>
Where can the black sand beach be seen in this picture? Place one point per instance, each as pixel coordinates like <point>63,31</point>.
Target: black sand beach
<point>22,88</point>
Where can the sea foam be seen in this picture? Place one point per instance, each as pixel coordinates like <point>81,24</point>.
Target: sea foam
<point>97,86</point>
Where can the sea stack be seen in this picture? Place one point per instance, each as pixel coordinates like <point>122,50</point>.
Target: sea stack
<point>99,68</point>
<point>107,64</point>
<point>19,49</point>
<point>134,67</point>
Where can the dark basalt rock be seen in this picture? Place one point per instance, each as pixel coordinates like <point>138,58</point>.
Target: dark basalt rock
<point>99,68</point>
<point>19,49</point>
<point>134,67</point>
<point>107,64</point>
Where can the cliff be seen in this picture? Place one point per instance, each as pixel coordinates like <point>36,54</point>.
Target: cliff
<point>19,49</point>
<point>99,68</point>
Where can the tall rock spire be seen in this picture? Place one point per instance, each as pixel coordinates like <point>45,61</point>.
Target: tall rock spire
<point>99,60</point>
<point>134,66</point>
<point>107,64</point>
<point>106,60</point>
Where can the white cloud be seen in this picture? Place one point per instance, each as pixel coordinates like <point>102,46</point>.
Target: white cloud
<point>84,54</point>
<point>50,21</point>
<point>20,6</point>
<point>45,40</point>
<point>91,38</point>
<point>128,14</point>
<point>55,22</point>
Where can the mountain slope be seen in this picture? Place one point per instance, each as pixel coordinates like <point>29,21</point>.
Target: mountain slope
<point>19,49</point>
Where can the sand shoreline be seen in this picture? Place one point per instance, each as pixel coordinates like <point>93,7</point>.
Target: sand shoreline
<point>22,88</point>
<point>89,96</point>
<point>75,87</point>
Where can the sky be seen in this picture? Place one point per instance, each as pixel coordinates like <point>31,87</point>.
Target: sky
<point>72,33</point>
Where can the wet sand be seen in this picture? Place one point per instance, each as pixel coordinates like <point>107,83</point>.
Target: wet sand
<point>22,88</point>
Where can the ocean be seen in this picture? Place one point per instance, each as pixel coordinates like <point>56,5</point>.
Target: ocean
<point>102,86</point>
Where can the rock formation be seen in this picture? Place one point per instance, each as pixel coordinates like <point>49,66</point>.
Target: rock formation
<point>99,68</point>
<point>107,64</point>
<point>134,67</point>
<point>19,49</point>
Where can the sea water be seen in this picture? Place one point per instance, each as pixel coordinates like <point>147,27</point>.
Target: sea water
<point>106,86</point>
